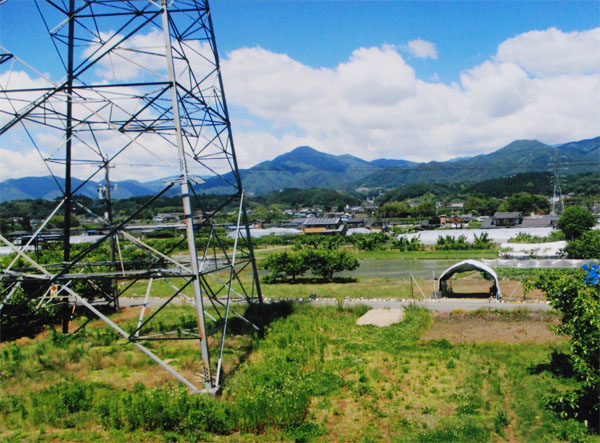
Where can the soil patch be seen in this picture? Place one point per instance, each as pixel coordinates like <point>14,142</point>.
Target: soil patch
<point>471,286</point>
<point>381,317</point>
<point>493,327</point>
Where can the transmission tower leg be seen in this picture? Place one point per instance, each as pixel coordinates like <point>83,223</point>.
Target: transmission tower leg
<point>187,207</point>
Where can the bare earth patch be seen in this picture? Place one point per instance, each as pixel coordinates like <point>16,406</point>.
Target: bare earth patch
<point>493,328</point>
<point>471,287</point>
<point>381,317</point>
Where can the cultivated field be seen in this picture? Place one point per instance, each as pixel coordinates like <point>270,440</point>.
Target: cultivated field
<point>479,376</point>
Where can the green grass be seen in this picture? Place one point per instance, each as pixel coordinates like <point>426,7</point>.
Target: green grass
<point>359,287</point>
<point>315,375</point>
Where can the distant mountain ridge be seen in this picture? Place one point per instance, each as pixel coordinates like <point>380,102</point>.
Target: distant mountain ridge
<point>305,167</point>
<point>516,157</point>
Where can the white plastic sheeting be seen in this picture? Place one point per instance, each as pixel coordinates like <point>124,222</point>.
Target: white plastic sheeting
<point>258,233</point>
<point>358,231</point>
<point>500,235</point>
<point>539,250</point>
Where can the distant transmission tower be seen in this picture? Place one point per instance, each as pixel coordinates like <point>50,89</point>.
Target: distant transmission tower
<point>139,86</point>
<point>557,194</point>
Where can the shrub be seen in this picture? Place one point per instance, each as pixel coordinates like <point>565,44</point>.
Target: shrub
<point>370,242</point>
<point>577,297</point>
<point>272,393</point>
<point>585,247</point>
<point>403,244</point>
<point>57,404</point>
<point>574,221</point>
<point>165,409</point>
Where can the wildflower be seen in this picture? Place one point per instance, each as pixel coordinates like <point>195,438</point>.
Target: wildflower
<point>591,276</point>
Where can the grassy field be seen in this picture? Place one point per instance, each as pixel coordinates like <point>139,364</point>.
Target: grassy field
<point>315,376</point>
<point>359,288</point>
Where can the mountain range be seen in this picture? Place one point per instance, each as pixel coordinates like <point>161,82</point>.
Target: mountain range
<point>305,168</point>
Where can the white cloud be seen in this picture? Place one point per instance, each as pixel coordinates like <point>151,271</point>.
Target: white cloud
<point>553,52</point>
<point>422,49</point>
<point>373,105</point>
<point>541,84</point>
<point>20,164</point>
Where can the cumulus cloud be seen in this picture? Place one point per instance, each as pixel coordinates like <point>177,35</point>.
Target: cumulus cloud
<point>541,84</point>
<point>422,49</point>
<point>373,106</point>
<point>553,52</point>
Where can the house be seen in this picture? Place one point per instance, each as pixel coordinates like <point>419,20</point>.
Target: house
<point>540,221</point>
<point>433,222</point>
<point>353,223</point>
<point>294,223</point>
<point>323,225</point>
<point>165,217</point>
<point>507,219</point>
<point>378,225</point>
<point>460,220</point>
<point>455,206</point>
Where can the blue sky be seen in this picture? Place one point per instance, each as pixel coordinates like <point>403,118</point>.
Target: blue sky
<point>324,33</point>
<point>415,80</point>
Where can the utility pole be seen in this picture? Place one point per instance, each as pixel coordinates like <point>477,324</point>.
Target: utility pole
<point>557,191</point>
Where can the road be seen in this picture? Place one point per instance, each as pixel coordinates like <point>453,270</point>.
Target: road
<point>442,305</point>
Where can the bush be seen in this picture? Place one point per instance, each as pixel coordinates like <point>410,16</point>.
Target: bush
<point>370,242</point>
<point>57,404</point>
<point>272,393</point>
<point>577,297</point>
<point>322,263</point>
<point>523,237</point>
<point>450,243</point>
<point>20,316</point>
<point>574,221</point>
<point>585,247</point>
<point>403,244</point>
<point>170,409</point>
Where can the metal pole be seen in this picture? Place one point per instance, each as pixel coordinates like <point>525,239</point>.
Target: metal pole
<point>109,216</point>
<point>69,134</point>
<point>143,310</point>
<point>226,317</point>
<point>187,207</point>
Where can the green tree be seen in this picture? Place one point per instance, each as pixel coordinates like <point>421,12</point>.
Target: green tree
<point>525,203</point>
<point>481,205</point>
<point>285,265</point>
<point>58,221</point>
<point>394,209</point>
<point>425,209</point>
<point>577,296</point>
<point>585,247</point>
<point>575,221</point>
<point>324,263</point>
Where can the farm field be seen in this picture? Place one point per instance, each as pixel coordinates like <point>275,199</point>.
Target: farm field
<point>316,375</point>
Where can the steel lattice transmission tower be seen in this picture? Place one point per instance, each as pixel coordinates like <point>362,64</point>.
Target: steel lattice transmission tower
<point>135,84</point>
